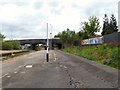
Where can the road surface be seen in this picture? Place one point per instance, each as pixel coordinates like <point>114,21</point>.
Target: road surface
<point>62,71</point>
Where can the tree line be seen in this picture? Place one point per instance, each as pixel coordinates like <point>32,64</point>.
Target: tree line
<point>88,30</point>
<point>8,45</point>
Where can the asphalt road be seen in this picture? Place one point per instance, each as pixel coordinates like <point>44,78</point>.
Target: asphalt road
<point>62,71</point>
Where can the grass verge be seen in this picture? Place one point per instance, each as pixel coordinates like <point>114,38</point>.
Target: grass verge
<point>104,54</point>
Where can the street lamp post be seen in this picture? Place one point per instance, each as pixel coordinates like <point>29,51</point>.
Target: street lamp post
<point>51,41</point>
<point>51,37</point>
<point>47,54</point>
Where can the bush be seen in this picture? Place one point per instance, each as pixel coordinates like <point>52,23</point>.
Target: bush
<point>11,45</point>
<point>37,47</point>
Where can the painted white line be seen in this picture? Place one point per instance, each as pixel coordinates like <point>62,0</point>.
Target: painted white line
<point>15,72</point>
<point>18,67</point>
<point>28,66</point>
<point>65,67</point>
<point>55,57</point>
<point>8,76</point>
<point>4,75</point>
<point>55,60</point>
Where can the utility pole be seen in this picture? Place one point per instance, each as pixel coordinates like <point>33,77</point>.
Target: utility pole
<point>51,37</point>
<point>51,41</point>
<point>47,54</point>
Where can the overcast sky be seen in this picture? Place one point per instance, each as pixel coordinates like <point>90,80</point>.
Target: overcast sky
<point>28,18</point>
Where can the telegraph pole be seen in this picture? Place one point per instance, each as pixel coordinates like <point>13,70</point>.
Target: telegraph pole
<point>51,41</point>
<point>47,54</point>
<point>51,37</point>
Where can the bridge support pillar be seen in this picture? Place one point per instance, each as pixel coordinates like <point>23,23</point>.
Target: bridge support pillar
<point>33,46</point>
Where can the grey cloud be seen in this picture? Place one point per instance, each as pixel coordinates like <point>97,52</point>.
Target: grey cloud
<point>18,2</point>
<point>9,29</point>
<point>76,6</point>
<point>38,5</point>
<point>55,6</point>
<point>17,31</point>
<point>54,3</point>
<point>98,8</point>
<point>58,12</point>
<point>27,27</point>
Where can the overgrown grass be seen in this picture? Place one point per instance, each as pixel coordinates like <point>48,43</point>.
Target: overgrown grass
<point>104,54</point>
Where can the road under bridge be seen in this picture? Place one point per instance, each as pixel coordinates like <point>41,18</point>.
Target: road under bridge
<point>33,42</point>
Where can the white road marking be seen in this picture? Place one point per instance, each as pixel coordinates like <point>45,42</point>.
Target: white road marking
<point>4,75</point>
<point>18,67</point>
<point>55,57</point>
<point>8,76</point>
<point>15,72</point>
<point>65,67</point>
<point>28,66</point>
<point>55,60</point>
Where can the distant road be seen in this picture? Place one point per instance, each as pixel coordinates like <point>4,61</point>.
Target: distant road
<point>62,71</point>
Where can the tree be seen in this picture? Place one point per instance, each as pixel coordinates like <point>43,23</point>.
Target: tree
<point>7,45</point>
<point>67,37</point>
<point>1,40</point>
<point>81,35</point>
<point>11,45</point>
<point>109,27</point>
<point>91,27</point>
<point>105,25</point>
<point>113,24</point>
<point>1,37</point>
<point>16,44</point>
